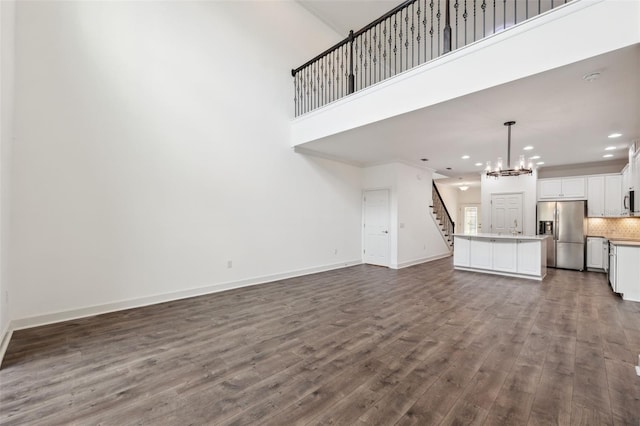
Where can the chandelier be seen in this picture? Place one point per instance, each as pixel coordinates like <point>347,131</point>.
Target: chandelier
<point>518,170</point>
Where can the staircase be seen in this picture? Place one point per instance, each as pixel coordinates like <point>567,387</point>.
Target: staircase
<point>442,217</point>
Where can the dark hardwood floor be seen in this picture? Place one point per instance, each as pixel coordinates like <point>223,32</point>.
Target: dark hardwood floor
<point>358,346</point>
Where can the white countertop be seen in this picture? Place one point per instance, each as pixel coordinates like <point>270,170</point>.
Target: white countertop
<point>505,236</point>
<point>625,243</point>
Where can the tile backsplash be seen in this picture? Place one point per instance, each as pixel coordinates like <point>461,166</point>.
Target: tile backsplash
<point>627,227</point>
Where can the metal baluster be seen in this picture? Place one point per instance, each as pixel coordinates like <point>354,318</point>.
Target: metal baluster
<point>413,28</point>
<point>456,5</point>
<point>379,53</point>
<point>464,16</point>
<point>438,17</point>
<point>395,43</point>
<point>494,16</point>
<point>474,21</point>
<point>418,38</point>
<point>352,82</point>
<point>504,14</point>
<point>406,38</point>
<point>431,29</point>
<point>384,52</point>
<point>400,40</point>
<point>324,92</point>
<point>370,63</point>
<point>515,12</point>
<point>484,18</point>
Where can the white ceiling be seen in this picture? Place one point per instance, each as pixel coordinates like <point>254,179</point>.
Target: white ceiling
<point>346,15</point>
<point>565,118</point>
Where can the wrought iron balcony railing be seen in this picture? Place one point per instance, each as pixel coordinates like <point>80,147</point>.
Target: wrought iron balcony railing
<point>413,33</point>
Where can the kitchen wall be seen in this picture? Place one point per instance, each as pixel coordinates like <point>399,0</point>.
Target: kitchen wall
<point>625,228</point>
<point>527,185</point>
<point>153,160</point>
<point>597,168</point>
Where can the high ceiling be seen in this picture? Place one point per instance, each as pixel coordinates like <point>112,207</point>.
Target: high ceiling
<point>566,118</point>
<point>346,15</point>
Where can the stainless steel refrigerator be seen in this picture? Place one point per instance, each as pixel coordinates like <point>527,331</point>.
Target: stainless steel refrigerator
<point>565,222</point>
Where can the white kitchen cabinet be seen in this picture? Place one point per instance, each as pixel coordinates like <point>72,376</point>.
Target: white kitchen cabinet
<point>595,259</point>
<point>613,201</point>
<point>626,187</point>
<point>604,196</point>
<point>595,196</point>
<point>504,256</point>
<point>562,188</point>
<point>625,271</point>
<point>461,251</point>
<point>481,255</point>
<point>530,257</point>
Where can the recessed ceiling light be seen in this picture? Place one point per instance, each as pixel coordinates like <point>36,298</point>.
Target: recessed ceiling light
<point>465,157</point>
<point>610,148</point>
<point>614,135</point>
<point>592,76</point>
<point>607,155</point>
<point>535,157</point>
<point>540,163</point>
<point>528,148</point>
<point>478,164</point>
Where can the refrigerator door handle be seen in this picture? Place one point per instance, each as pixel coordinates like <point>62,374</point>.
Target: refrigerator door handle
<point>556,218</point>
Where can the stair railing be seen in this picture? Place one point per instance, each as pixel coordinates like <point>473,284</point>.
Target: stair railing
<point>412,33</point>
<point>442,214</point>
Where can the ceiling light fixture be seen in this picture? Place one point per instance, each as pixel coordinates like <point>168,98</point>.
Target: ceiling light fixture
<point>540,163</point>
<point>610,148</point>
<point>463,187</point>
<point>607,156</point>
<point>465,157</point>
<point>520,169</point>
<point>535,157</point>
<point>528,148</point>
<point>614,135</point>
<point>478,164</point>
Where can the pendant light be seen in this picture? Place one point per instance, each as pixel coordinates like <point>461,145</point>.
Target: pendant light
<point>518,170</point>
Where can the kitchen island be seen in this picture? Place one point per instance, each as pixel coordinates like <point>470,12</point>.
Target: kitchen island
<point>502,254</point>
<point>624,268</point>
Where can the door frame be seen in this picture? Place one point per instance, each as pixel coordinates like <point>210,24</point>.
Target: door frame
<point>362,224</point>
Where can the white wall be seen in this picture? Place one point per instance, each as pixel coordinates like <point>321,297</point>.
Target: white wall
<point>527,185</point>
<point>152,147</point>
<point>413,233</point>
<point>561,37</point>
<point>7,28</point>
<point>419,239</point>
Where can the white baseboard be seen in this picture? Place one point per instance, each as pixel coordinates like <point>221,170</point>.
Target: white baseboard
<point>51,318</point>
<point>4,343</point>
<point>420,260</point>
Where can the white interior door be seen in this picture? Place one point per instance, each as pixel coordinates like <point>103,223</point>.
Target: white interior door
<point>506,213</point>
<point>376,227</point>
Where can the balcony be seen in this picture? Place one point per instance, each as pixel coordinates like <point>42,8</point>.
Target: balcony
<point>531,72</point>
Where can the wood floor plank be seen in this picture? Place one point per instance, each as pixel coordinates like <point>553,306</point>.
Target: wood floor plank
<point>360,346</point>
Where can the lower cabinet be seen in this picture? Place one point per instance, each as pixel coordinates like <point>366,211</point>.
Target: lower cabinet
<point>481,254</point>
<point>530,257</point>
<point>502,255</point>
<point>596,253</point>
<point>627,276</point>
<point>461,251</point>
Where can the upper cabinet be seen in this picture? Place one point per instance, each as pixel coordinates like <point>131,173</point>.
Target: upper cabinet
<point>613,199</point>
<point>595,196</point>
<point>573,188</point>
